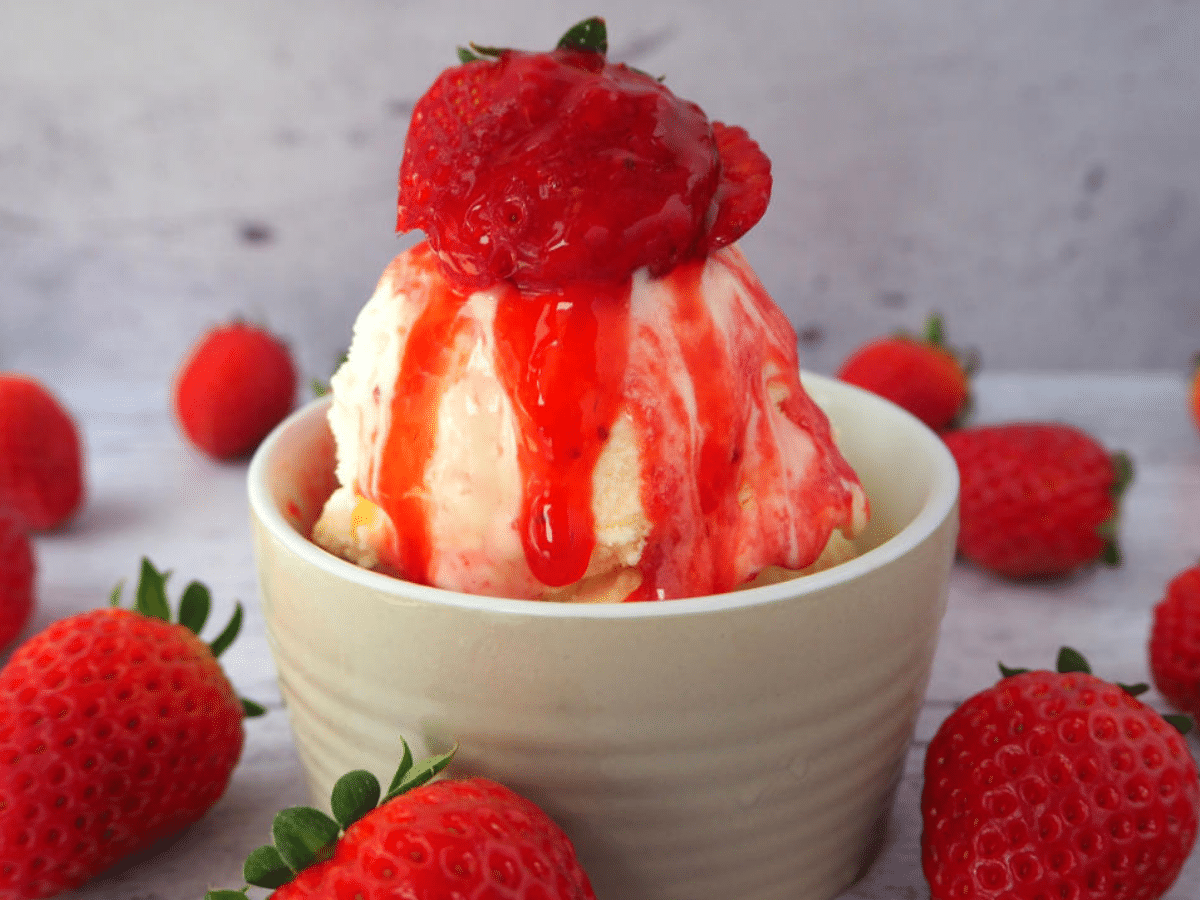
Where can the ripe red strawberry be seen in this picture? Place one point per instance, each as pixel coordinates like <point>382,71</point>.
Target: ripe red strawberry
<point>920,374</point>
<point>425,841</point>
<point>1056,784</point>
<point>41,454</point>
<point>544,169</point>
<point>1037,499</point>
<point>17,572</point>
<point>1175,642</point>
<point>235,386</point>
<point>117,728</point>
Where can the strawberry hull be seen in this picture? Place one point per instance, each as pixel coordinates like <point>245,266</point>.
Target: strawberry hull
<point>681,745</point>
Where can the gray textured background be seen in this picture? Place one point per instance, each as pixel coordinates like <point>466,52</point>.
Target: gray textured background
<point>1030,169</point>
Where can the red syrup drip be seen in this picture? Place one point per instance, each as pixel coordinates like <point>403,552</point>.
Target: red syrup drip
<point>826,501</point>
<point>732,408</point>
<point>717,378</point>
<point>562,358</point>
<point>798,406</point>
<point>720,418</point>
<point>432,356</point>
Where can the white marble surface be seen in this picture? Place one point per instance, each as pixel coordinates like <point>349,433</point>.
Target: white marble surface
<point>149,494</point>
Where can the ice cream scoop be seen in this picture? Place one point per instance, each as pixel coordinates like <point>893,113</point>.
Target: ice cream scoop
<point>650,445</point>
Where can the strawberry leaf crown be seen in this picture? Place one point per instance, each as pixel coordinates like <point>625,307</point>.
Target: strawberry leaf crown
<point>590,35</point>
<point>304,836</point>
<point>1071,660</point>
<point>195,604</point>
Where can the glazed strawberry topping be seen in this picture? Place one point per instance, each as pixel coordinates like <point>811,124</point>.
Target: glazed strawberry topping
<point>543,169</point>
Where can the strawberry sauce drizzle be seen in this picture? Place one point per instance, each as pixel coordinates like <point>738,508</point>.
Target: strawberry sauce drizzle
<point>431,358</point>
<point>568,366</point>
<point>720,422</point>
<point>562,358</point>
<point>735,448</point>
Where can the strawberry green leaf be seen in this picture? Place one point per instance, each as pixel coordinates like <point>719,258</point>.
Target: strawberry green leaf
<point>1070,660</point>
<point>1182,724</point>
<point>1123,467</point>
<point>222,641</point>
<point>304,836</point>
<point>474,52</point>
<point>1134,690</point>
<point>194,607</point>
<point>406,763</point>
<point>420,774</point>
<point>252,710</point>
<point>487,52</point>
<point>114,597</point>
<point>355,794</point>
<point>152,592</point>
<point>590,34</point>
<point>1006,672</point>
<point>1110,555</point>
<point>935,331</point>
<point>265,868</point>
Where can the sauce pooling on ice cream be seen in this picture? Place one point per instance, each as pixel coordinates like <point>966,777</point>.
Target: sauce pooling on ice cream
<point>576,388</point>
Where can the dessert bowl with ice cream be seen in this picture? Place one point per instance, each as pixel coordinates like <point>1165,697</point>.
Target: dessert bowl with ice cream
<point>573,507</point>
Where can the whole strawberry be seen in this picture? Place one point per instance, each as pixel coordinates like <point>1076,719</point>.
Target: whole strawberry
<point>425,841</point>
<point>41,454</point>
<point>543,169</point>
<point>1056,784</point>
<point>17,572</point>
<point>1037,498</point>
<point>237,384</point>
<point>1175,642</point>
<point>920,374</point>
<point>117,728</point>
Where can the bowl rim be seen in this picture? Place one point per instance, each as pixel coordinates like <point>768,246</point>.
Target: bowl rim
<point>940,504</point>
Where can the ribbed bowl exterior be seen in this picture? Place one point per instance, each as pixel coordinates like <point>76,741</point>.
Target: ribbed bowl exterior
<point>745,746</point>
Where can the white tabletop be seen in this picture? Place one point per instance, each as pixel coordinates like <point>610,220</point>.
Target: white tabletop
<point>149,494</point>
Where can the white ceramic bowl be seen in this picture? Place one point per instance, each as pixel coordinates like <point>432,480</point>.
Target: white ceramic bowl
<point>745,745</point>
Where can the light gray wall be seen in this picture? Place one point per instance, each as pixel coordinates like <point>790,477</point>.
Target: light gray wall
<point>1030,169</point>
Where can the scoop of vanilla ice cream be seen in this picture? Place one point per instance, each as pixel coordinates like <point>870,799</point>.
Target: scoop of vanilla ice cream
<point>472,486</point>
<point>474,479</point>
